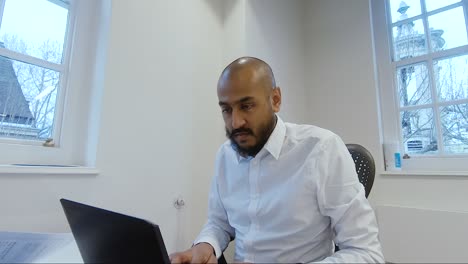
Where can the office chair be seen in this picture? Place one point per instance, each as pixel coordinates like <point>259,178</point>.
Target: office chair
<point>365,169</point>
<point>365,165</point>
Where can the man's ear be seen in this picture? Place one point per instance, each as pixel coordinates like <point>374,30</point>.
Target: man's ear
<point>276,99</point>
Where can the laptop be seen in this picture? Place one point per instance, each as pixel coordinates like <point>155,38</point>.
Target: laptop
<point>104,236</point>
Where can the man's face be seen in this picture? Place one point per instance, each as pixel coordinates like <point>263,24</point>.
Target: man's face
<point>248,112</point>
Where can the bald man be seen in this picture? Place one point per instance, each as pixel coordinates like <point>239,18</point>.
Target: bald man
<point>285,192</point>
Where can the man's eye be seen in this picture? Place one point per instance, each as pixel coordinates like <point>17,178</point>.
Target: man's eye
<point>225,110</point>
<point>247,106</point>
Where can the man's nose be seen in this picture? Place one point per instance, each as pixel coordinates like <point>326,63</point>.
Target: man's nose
<point>238,120</point>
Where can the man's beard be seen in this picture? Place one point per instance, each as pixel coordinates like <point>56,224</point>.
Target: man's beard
<point>262,138</point>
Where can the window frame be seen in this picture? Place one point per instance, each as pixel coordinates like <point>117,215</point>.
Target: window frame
<point>79,97</point>
<point>388,99</point>
<point>62,69</point>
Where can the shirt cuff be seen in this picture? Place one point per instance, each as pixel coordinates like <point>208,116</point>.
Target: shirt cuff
<point>212,242</point>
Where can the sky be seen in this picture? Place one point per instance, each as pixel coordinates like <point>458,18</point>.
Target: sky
<point>34,21</point>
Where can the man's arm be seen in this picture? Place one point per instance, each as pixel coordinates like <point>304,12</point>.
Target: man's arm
<point>216,233</point>
<point>199,253</point>
<point>342,197</point>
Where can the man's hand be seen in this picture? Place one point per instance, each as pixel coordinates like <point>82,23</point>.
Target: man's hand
<point>200,253</point>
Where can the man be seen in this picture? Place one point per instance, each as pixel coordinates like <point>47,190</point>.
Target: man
<point>285,192</point>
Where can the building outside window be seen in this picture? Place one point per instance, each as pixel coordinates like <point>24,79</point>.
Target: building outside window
<point>422,53</point>
<point>15,118</point>
<point>421,48</point>
<point>432,90</point>
<point>52,59</point>
<point>34,43</point>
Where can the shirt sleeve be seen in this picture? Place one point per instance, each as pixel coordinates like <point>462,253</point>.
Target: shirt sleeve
<point>217,231</point>
<point>342,198</point>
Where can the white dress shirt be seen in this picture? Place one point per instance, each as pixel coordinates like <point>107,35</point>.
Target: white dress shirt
<point>289,202</point>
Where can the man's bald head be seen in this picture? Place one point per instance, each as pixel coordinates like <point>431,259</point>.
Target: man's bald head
<point>249,99</point>
<point>248,70</point>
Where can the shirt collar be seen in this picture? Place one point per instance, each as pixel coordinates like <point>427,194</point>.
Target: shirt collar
<point>274,143</point>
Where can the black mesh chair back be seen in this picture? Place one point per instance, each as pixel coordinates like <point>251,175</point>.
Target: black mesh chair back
<point>365,165</point>
<point>365,168</point>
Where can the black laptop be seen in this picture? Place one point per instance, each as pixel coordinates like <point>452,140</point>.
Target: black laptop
<point>104,236</point>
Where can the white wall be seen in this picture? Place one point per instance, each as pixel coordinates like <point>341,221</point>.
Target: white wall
<point>160,125</point>
<point>340,74</point>
<point>271,30</point>
<point>180,48</point>
<point>274,33</point>
<point>422,235</point>
<point>234,25</point>
<point>342,97</point>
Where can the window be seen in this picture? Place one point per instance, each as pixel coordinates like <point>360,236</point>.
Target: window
<point>422,56</point>
<point>33,57</point>
<point>51,59</point>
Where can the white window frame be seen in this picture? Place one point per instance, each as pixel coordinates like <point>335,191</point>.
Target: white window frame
<point>388,92</point>
<point>81,84</point>
<point>61,68</point>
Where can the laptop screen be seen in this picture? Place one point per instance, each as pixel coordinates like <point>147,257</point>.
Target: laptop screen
<point>104,236</point>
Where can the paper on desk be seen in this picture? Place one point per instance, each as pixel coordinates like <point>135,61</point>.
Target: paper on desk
<point>38,248</point>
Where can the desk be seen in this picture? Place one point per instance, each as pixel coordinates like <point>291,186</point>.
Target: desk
<point>17,247</point>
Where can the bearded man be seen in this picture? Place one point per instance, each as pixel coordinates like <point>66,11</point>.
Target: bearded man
<point>287,193</point>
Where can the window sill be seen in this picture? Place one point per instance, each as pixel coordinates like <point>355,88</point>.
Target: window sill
<point>424,173</point>
<point>46,170</point>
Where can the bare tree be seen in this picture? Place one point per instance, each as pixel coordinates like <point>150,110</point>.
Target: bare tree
<point>39,85</point>
<point>451,81</point>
